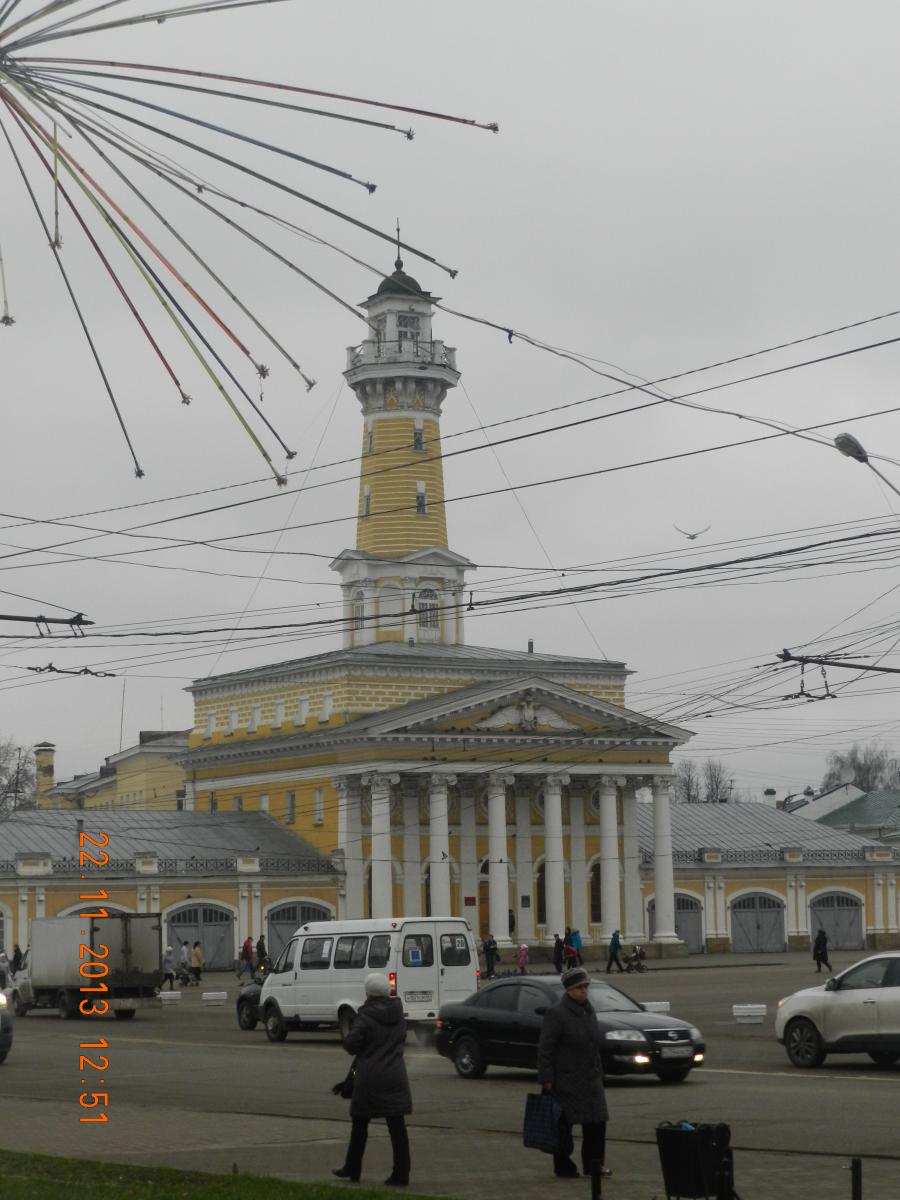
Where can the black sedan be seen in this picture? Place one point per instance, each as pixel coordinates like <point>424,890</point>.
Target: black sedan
<point>500,1026</point>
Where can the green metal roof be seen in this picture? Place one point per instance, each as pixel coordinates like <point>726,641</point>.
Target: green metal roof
<point>874,810</point>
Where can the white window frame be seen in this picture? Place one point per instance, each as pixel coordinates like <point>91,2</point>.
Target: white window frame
<point>421,499</point>
<point>318,806</point>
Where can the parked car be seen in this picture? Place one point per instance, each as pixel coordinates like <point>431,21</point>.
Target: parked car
<point>855,1012</point>
<point>500,1025</point>
<point>6,1028</point>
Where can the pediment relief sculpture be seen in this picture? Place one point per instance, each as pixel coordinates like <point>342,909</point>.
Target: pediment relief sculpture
<point>528,717</point>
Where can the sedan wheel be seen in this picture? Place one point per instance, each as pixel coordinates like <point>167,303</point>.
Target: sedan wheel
<point>803,1044</point>
<point>884,1058</point>
<point>246,1015</point>
<point>468,1058</point>
<point>276,1030</point>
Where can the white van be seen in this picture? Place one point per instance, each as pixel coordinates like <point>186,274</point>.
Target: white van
<point>318,977</point>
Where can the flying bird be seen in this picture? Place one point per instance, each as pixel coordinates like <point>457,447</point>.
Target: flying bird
<point>691,536</point>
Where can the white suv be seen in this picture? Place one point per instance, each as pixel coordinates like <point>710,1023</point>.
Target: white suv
<point>856,1012</point>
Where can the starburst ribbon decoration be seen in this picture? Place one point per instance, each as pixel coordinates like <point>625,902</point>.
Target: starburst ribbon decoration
<point>70,121</point>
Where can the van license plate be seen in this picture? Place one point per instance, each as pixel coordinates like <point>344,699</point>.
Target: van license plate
<point>675,1051</point>
<point>417,997</point>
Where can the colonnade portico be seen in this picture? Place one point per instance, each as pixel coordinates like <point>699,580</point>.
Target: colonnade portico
<point>404,824</point>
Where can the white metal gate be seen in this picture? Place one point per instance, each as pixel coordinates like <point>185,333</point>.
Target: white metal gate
<point>282,922</point>
<point>688,921</point>
<point>841,917</point>
<point>757,924</point>
<point>211,926</point>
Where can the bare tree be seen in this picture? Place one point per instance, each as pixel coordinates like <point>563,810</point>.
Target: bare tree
<point>869,767</point>
<point>16,775</point>
<point>718,782</point>
<point>687,784</point>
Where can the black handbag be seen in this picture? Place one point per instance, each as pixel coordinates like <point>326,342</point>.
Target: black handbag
<point>344,1089</point>
<point>543,1127</point>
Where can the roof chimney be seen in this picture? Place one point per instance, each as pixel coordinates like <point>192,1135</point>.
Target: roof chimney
<point>531,645</point>
<point>45,772</point>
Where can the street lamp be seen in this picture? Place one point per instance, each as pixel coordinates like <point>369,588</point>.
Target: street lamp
<point>851,447</point>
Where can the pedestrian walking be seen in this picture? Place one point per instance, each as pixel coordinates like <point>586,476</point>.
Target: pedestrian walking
<point>558,951</point>
<point>381,1087</point>
<point>261,952</point>
<point>246,957</point>
<point>489,950</point>
<point>820,952</point>
<point>571,1068</point>
<point>197,962</point>
<point>15,963</point>
<point>614,952</point>
<point>522,958</point>
<point>168,968</point>
<point>575,943</point>
<point>4,968</point>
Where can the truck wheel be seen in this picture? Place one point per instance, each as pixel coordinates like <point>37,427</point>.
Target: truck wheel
<point>124,1014</point>
<point>246,1015</point>
<point>276,1030</point>
<point>67,1010</point>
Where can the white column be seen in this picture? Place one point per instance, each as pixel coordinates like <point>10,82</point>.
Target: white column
<point>554,873</point>
<point>878,915</point>
<point>256,917</point>
<point>663,867</point>
<point>244,925</point>
<point>439,843</point>
<point>802,907</point>
<point>382,858</point>
<point>468,862</point>
<point>350,843</point>
<point>412,849</point>
<point>791,905</point>
<point>721,914</point>
<point>609,858</point>
<point>709,906</point>
<point>498,874</point>
<point>631,853</point>
<point>188,795</point>
<point>577,870</point>
<point>892,904</point>
<point>524,865</point>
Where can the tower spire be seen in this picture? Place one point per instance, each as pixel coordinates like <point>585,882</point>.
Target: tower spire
<point>398,261</point>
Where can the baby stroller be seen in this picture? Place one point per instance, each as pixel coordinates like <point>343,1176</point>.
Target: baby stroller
<point>185,976</point>
<point>635,960</point>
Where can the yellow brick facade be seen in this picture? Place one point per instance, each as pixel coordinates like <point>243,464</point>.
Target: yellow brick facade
<point>392,468</point>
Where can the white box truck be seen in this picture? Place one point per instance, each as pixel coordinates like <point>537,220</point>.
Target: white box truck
<point>67,955</point>
<point>318,977</point>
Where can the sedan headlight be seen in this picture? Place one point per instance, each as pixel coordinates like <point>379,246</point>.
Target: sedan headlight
<point>696,1035</point>
<point>625,1035</point>
<point>2,1000</point>
<point>780,1002</point>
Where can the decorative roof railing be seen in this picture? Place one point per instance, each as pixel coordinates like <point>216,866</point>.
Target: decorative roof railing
<point>765,855</point>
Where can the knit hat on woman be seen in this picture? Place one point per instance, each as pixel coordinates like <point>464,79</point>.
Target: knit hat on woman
<point>377,985</point>
<point>577,977</point>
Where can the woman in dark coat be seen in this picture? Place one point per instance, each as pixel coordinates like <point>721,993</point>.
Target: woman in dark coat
<point>569,1066</point>
<point>820,952</point>
<point>381,1088</point>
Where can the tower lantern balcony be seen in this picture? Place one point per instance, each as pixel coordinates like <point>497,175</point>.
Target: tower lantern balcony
<point>376,357</point>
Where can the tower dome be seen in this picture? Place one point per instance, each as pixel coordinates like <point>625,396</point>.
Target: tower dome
<point>400,284</point>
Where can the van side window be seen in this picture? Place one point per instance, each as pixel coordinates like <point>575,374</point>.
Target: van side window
<point>285,958</point>
<point>316,954</point>
<point>380,950</point>
<point>418,950</point>
<point>350,952</point>
<point>454,950</point>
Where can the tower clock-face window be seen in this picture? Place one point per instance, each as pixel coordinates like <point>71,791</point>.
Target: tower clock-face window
<point>407,329</point>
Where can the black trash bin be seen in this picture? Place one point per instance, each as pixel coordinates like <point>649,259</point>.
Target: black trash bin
<point>695,1160</point>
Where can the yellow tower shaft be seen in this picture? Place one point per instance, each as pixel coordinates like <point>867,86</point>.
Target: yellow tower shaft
<point>401,486</point>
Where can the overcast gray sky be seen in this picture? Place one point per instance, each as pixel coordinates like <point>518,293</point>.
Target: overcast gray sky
<point>672,186</point>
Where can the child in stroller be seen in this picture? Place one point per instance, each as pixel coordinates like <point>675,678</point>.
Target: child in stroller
<point>635,960</point>
<point>185,976</point>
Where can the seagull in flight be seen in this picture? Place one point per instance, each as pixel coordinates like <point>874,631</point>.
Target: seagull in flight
<point>692,536</point>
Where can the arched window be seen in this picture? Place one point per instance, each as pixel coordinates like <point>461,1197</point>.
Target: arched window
<point>359,609</point>
<point>541,895</point>
<point>596,912</point>
<point>429,614</point>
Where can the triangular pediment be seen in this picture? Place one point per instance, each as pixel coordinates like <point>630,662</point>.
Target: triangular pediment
<point>528,708</point>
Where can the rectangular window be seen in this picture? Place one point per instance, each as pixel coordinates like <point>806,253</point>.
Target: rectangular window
<point>255,718</point>
<point>232,720</point>
<point>327,703</point>
<point>279,714</point>
<point>418,435</point>
<point>302,710</point>
<point>179,800</point>
<point>407,330</point>
<point>380,950</point>
<point>286,958</point>
<point>239,804</point>
<point>210,724</point>
<point>264,802</point>
<point>367,501</point>
<point>290,807</point>
<point>370,441</point>
<point>316,954</point>
<point>418,950</point>
<point>454,950</point>
<point>421,501</point>
<point>350,952</point>
<point>318,807</point>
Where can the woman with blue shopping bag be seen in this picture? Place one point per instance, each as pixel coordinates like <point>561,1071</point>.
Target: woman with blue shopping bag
<point>571,1069</point>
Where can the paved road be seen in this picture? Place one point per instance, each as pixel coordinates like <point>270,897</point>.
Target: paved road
<point>187,1088</point>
